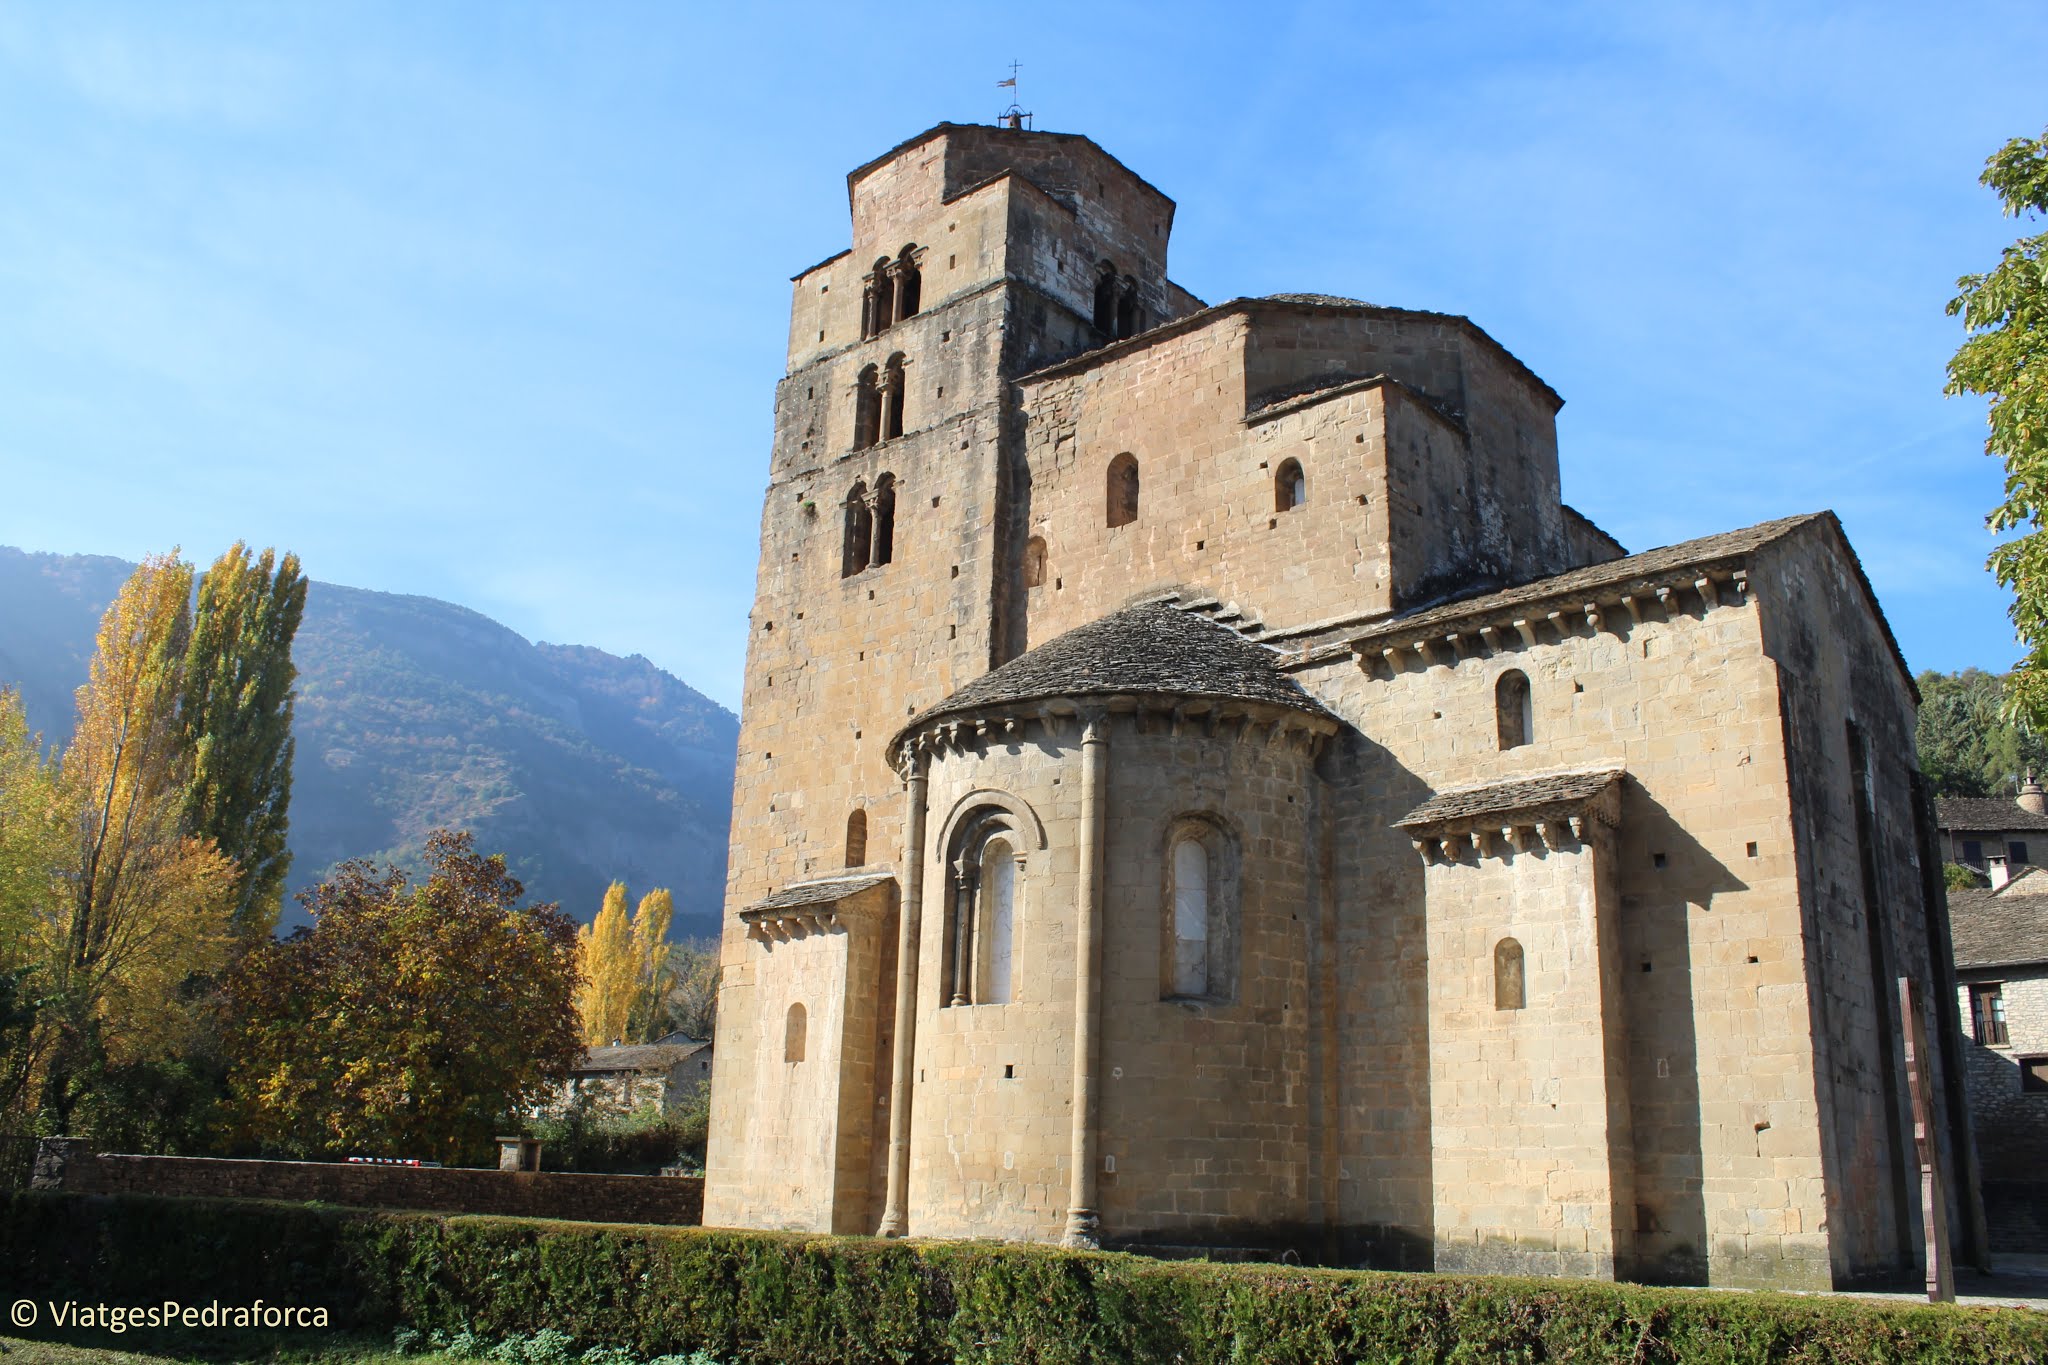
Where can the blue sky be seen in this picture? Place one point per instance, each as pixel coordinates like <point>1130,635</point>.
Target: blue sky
<point>487,301</point>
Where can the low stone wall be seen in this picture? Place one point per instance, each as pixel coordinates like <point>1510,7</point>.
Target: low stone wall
<point>65,1164</point>
<point>2017,1214</point>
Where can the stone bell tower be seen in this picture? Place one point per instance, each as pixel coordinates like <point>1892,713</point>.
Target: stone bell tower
<point>891,570</point>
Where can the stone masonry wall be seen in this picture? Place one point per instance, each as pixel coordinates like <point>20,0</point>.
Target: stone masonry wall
<point>1725,1127</point>
<point>1866,925</point>
<point>520,1194</point>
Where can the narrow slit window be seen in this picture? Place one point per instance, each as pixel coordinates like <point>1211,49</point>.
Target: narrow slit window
<point>794,1026</point>
<point>1510,986</point>
<point>892,398</point>
<point>1513,712</point>
<point>1190,918</point>
<point>1122,490</point>
<point>857,839</point>
<point>867,408</point>
<point>1290,487</point>
<point>1034,562</point>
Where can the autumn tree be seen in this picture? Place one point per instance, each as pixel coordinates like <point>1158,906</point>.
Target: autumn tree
<point>140,905</point>
<point>648,1018</point>
<point>2006,360</point>
<point>610,972</point>
<point>409,1020</point>
<point>236,712</point>
<point>30,850</point>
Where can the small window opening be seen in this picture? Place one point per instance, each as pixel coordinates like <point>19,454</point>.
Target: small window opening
<point>1105,300</point>
<point>909,282</point>
<point>1510,985</point>
<point>793,1028</point>
<point>1290,487</point>
<point>1123,490</point>
<point>857,838</point>
<point>1034,562</point>
<point>885,520</point>
<point>1190,918</point>
<point>860,529</point>
<point>892,398</point>
<point>1987,1013</point>
<point>1512,709</point>
<point>882,296</point>
<point>867,408</point>
<point>1127,308</point>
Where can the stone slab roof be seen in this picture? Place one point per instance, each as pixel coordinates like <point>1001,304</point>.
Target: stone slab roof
<point>1153,648</point>
<point>2002,928</point>
<point>1991,814</point>
<point>823,891</point>
<point>636,1057</point>
<point>1505,798</point>
<point>1320,300</point>
<point>1595,578</point>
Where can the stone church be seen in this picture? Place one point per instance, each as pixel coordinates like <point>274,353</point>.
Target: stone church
<point>1200,786</point>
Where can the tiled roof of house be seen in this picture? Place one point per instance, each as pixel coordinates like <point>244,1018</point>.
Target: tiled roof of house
<point>1991,814</point>
<point>1153,648</point>
<point>1502,798</point>
<point>2001,928</point>
<point>636,1057</point>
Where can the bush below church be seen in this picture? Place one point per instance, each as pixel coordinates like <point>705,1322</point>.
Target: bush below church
<point>762,1297</point>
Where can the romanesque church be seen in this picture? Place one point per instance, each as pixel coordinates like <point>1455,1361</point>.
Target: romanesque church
<point>1201,786</point>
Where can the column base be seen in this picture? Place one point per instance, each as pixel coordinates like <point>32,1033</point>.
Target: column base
<point>1083,1232</point>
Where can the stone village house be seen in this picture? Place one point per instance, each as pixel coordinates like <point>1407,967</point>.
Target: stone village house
<point>1200,785</point>
<point>620,1078</point>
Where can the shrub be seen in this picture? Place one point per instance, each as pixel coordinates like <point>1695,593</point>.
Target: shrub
<point>666,1293</point>
<point>1962,877</point>
<point>590,1140</point>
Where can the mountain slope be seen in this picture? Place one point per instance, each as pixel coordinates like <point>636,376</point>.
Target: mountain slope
<point>414,713</point>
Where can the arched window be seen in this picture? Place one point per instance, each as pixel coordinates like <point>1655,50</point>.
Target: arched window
<point>892,398</point>
<point>793,1027</point>
<point>1034,562</point>
<point>1199,927</point>
<point>998,927</point>
<point>1290,487</point>
<point>1512,709</point>
<point>857,838</point>
<point>985,877</point>
<point>1127,308</point>
<point>860,529</point>
<point>1510,990</point>
<point>885,520</point>
<point>884,311</point>
<point>909,282</point>
<point>867,408</point>
<point>1105,299</point>
<point>1190,918</point>
<point>1123,490</point>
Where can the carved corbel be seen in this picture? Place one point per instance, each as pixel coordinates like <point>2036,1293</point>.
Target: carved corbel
<point>1578,824</point>
<point>1740,578</point>
<point>1428,655</point>
<point>1634,604</point>
<point>1178,719</point>
<point>1393,661</point>
<point>1556,619</point>
<point>1710,596</point>
<point>1555,835</point>
<point>1455,645</point>
<point>1664,600</point>
<point>1527,630</point>
<point>1490,637</point>
<point>1593,616</point>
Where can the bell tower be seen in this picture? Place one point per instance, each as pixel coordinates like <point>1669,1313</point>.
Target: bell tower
<point>892,562</point>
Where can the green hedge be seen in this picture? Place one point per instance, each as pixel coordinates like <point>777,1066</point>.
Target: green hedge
<point>765,1297</point>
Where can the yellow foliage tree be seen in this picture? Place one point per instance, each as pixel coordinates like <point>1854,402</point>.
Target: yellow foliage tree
<point>140,907</point>
<point>610,967</point>
<point>650,960</point>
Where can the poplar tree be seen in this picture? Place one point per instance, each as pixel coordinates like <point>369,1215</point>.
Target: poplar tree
<point>139,905</point>
<point>236,710</point>
<point>610,969</point>
<point>649,1015</point>
<point>2006,360</point>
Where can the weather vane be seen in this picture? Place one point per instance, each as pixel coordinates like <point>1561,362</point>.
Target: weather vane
<point>1015,116</point>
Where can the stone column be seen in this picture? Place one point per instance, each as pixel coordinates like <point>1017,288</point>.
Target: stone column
<point>1082,1216</point>
<point>895,1208</point>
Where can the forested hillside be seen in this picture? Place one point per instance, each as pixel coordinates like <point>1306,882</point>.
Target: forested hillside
<point>415,713</point>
